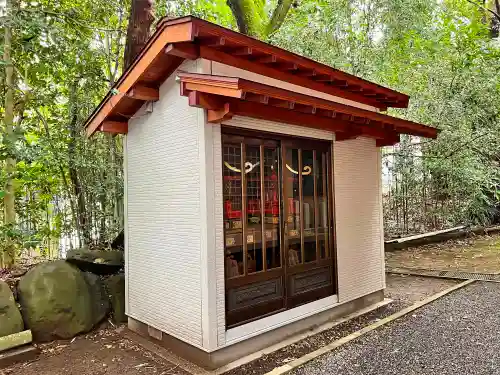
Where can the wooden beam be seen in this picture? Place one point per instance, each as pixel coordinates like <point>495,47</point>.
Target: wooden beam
<point>257,109</point>
<point>114,127</point>
<point>322,78</point>
<point>306,73</point>
<point>216,42</point>
<point>207,101</point>
<point>354,88</point>
<point>244,51</point>
<point>185,50</point>
<point>219,115</point>
<point>212,89</point>
<point>281,103</point>
<point>145,93</point>
<point>389,141</point>
<point>340,84</point>
<point>271,59</point>
<point>352,134</point>
<point>271,113</point>
<point>227,86</point>
<point>289,66</point>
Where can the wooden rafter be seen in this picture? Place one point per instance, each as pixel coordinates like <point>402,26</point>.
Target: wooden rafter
<point>114,127</point>
<point>188,51</point>
<point>219,115</point>
<point>256,92</point>
<point>265,68</point>
<point>141,92</point>
<point>354,133</point>
<point>221,108</point>
<point>388,141</point>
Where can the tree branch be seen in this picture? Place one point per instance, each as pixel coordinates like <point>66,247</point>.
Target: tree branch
<point>497,16</point>
<point>278,17</point>
<point>65,17</point>
<point>249,15</point>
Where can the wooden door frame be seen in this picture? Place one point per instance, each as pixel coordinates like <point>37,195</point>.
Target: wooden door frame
<point>234,135</point>
<point>318,263</point>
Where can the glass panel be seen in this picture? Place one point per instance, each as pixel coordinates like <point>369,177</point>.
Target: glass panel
<point>292,202</point>
<point>255,262</point>
<point>272,207</point>
<point>308,205</point>
<point>322,201</point>
<point>233,228</point>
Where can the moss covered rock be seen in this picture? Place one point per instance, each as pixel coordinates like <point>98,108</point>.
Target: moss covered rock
<point>115,286</point>
<point>99,297</point>
<point>56,301</point>
<point>10,317</point>
<point>101,262</point>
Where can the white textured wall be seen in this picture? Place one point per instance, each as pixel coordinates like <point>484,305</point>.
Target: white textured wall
<point>174,227</point>
<point>164,204</point>
<point>359,227</point>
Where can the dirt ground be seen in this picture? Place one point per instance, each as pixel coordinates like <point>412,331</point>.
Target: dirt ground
<point>104,352</point>
<point>411,289</point>
<point>107,352</point>
<point>473,254</point>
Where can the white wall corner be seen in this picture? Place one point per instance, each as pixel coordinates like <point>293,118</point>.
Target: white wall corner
<point>125,221</point>
<point>381,204</point>
<point>164,206</point>
<point>358,218</point>
<point>208,251</point>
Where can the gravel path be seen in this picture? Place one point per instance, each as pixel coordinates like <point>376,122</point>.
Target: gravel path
<point>457,334</point>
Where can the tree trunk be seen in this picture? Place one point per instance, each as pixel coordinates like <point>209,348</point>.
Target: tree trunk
<point>249,15</point>
<point>9,254</point>
<point>278,16</point>
<point>251,18</point>
<point>83,228</point>
<point>495,19</point>
<point>139,24</point>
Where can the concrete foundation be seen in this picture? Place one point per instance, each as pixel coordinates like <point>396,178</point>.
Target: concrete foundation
<point>227,354</point>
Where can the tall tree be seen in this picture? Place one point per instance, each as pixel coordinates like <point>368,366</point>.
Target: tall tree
<point>138,31</point>
<point>9,252</point>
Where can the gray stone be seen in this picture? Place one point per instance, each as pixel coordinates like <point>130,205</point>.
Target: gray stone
<point>115,286</point>
<point>11,320</point>
<point>99,298</point>
<point>55,301</point>
<point>101,262</point>
<point>455,334</point>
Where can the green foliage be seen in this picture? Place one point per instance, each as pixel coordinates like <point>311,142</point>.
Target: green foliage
<point>442,55</point>
<point>66,54</point>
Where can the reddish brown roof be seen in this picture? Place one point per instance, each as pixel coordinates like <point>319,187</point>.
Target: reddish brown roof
<point>191,38</point>
<point>227,96</point>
